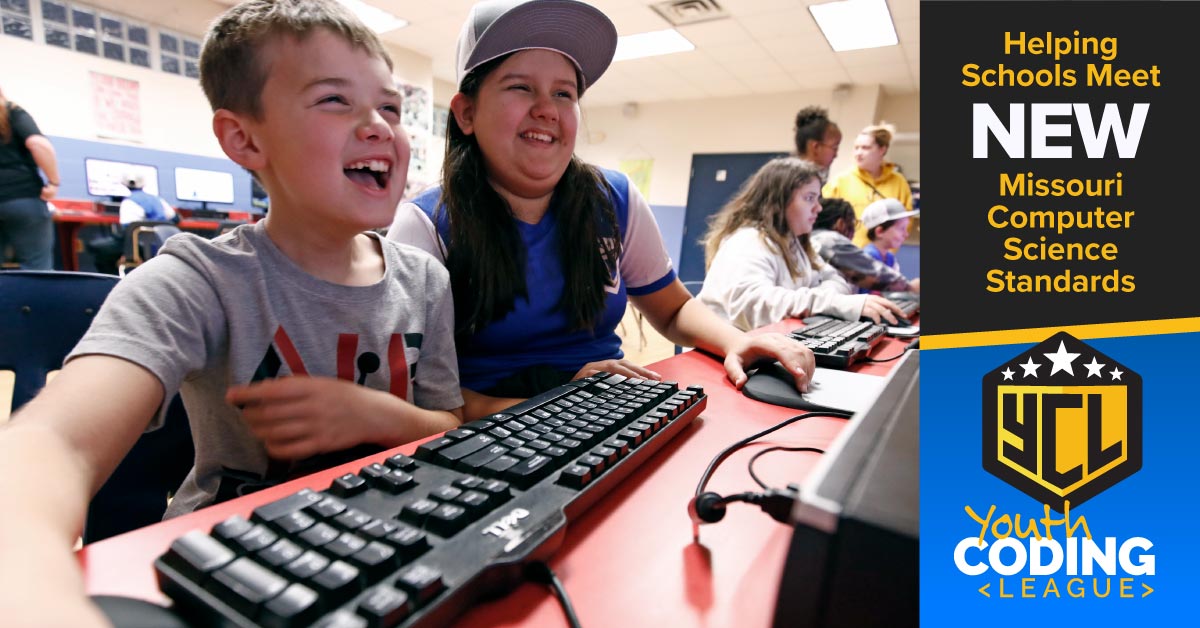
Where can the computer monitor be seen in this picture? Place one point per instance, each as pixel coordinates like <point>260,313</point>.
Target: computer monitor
<point>204,186</point>
<point>104,177</point>
<point>258,196</point>
<point>853,559</point>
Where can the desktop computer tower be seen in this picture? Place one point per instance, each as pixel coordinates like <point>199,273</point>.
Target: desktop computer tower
<point>853,559</point>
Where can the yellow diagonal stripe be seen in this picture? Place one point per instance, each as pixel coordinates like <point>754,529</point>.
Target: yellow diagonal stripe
<point>1083,332</point>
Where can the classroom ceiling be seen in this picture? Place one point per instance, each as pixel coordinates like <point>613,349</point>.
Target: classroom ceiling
<point>762,47</point>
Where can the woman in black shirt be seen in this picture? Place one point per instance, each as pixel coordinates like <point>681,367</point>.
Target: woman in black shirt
<point>24,217</point>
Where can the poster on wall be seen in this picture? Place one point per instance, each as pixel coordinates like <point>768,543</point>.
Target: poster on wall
<point>416,115</point>
<point>1057,421</point>
<point>116,107</point>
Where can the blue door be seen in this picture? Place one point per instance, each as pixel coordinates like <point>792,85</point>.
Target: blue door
<point>715,179</point>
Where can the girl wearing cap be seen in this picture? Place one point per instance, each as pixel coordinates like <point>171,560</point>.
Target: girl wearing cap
<point>761,265</point>
<point>886,224</point>
<point>544,251</point>
<point>872,178</point>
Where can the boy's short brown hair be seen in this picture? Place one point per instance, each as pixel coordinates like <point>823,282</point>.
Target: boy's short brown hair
<point>232,72</point>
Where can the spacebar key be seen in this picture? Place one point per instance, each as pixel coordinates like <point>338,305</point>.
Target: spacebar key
<point>466,447</point>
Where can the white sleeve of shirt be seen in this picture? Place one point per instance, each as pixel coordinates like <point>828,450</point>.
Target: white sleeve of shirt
<point>168,211</point>
<point>131,212</point>
<point>743,287</point>
<point>412,226</point>
<point>644,258</point>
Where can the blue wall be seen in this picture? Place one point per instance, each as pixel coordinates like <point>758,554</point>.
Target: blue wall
<point>72,152</point>
<point>670,223</point>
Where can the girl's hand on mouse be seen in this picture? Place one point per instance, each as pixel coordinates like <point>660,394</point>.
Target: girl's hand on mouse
<point>878,308</point>
<point>794,356</point>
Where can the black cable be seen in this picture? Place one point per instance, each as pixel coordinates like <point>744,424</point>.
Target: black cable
<point>725,453</point>
<point>542,573</point>
<point>877,361</point>
<point>750,465</point>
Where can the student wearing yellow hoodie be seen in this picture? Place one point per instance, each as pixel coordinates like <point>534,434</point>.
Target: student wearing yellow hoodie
<point>872,178</point>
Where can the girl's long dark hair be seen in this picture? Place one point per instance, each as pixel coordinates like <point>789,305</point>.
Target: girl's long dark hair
<point>487,257</point>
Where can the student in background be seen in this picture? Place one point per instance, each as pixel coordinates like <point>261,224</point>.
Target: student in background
<point>886,224</point>
<point>109,245</point>
<point>831,240</point>
<point>544,251</point>
<point>872,178</point>
<point>817,138</point>
<point>303,96</point>
<point>24,217</point>
<point>141,205</point>
<point>761,265</point>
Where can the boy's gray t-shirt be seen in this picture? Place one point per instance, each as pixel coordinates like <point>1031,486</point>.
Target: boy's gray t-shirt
<point>207,314</point>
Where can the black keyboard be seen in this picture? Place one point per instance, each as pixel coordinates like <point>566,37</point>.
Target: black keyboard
<point>838,343</point>
<point>412,541</point>
<point>909,302</point>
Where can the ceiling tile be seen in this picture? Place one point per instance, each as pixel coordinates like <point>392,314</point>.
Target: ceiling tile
<point>715,33</point>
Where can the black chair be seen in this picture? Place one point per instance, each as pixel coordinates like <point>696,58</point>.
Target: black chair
<point>42,315</point>
<point>143,239</point>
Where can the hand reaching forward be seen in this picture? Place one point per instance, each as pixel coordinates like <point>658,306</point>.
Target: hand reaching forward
<point>794,356</point>
<point>620,367</point>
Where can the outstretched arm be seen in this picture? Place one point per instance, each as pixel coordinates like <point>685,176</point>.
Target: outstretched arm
<point>54,455</point>
<point>684,320</point>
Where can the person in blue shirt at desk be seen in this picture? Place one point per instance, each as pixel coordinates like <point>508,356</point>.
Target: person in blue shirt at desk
<point>544,250</point>
<point>141,205</point>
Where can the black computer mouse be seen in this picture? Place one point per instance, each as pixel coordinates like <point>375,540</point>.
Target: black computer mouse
<point>774,385</point>
<point>128,612</point>
<point>900,322</point>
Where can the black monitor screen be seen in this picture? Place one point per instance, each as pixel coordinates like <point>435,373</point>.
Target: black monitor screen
<point>258,196</point>
<point>104,178</point>
<point>206,186</point>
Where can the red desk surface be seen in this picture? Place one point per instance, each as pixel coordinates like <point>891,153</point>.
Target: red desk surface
<point>630,560</point>
<point>70,216</point>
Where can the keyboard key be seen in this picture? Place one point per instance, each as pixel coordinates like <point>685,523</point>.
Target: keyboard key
<point>256,538</point>
<point>416,512</point>
<point>447,519</point>
<point>384,606</point>
<point>345,545</point>
<point>196,555</point>
<point>378,529</point>
<point>326,508</point>
<point>446,493</point>
<point>245,585</point>
<point>342,619</point>
<point>352,519</point>
<point>348,485</point>
<point>320,535</point>
<point>529,471</point>
<point>309,564</point>
<point>396,481</point>
<point>575,476</point>
<point>280,553</point>
<point>422,582</point>
<point>401,462</point>
<point>376,560</point>
<point>409,542</point>
<point>426,451</point>
<point>465,448</point>
<point>501,464</point>
<point>270,513</point>
<point>339,581</point>
<point>294,523</point>
<point>228,530</point>
<point>298,605</point>
<point>482,457</point>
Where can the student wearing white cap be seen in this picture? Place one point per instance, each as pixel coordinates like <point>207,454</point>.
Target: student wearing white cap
<point>142,205</point>
<point>544,250</point>
<point>886,224</point>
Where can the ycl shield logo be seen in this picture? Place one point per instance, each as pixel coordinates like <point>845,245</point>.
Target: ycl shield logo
<point>1062,421</point>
